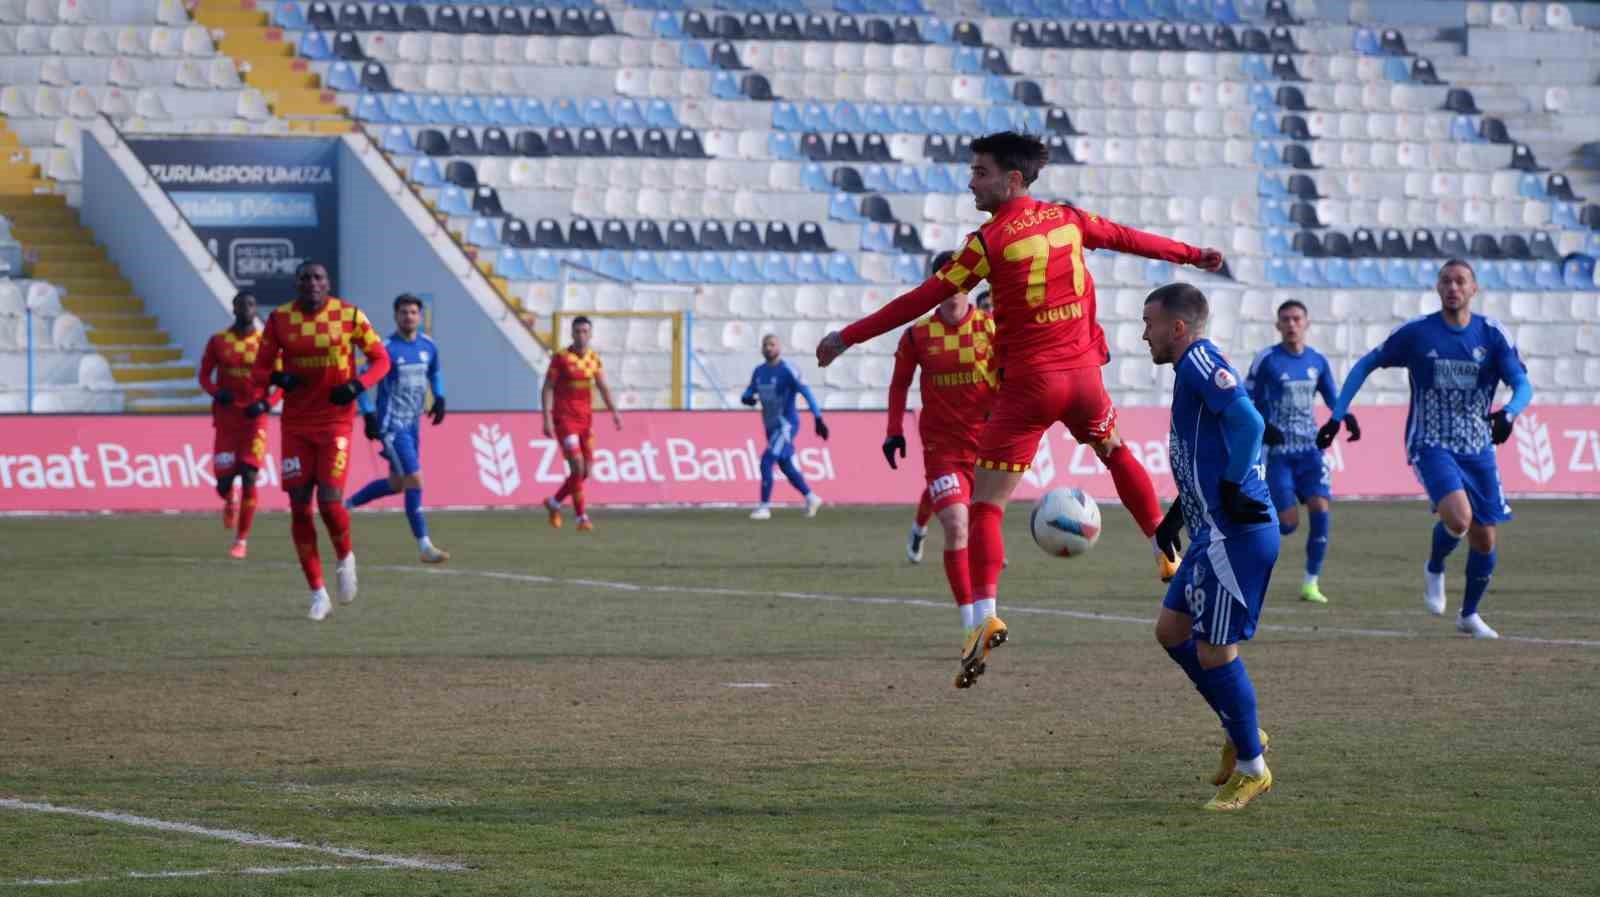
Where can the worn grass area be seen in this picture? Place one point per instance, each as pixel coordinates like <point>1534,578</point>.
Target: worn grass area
<point>561,737</point>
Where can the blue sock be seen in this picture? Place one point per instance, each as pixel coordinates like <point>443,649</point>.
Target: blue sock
<point>1186,657</point>
<point>766,476</point>
<point>793,473</point>
<point>1317,542</point>
<point>419,523</point>
<point>1480,569</point>
<point>1235,701</point>
<point>371,492</point>
<point>1443,544</point>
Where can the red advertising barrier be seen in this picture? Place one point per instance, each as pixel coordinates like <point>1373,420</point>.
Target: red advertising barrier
<point>132,463</point>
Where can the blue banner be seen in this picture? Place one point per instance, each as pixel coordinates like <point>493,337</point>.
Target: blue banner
<point>262,205</point>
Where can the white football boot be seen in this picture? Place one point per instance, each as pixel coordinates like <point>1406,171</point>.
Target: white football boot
<point>762,512</point>
<point>914,540</point>
<point>346,570</point>
<point>321,606</point>
<point>1475,627</point>
<point>813,504</point>
<point>1433,591</point>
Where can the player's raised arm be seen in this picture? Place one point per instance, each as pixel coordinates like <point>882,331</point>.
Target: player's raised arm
<point>966,269</point>
<point>1102,233</point>
<point>605,394</point>
<point>905,368</point>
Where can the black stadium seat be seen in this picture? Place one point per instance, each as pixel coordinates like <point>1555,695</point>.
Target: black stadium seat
<point>1558,187</point>
<point>592,143</point>
<point>1168,38</point>
<point>847,30</point>
<point>1281,40</point>
<point>1291,98</point>
<point>560,142</point>
<point>1278,13</point>
<point>1296,156</point>
<point>656,145</point>
<point>1302,186</point>
<point>1254,40</point>
<point>647,236</point>
<point>714,237</point>
<point>1543,248</point>
<point>414,17</point>
<point>496,143</point>
<point>1304,214</point>
<point>966,34</point>
<point>906,238</point>
<point>1283,68</point>
<point>1394,244</point>
<point>1060,150</point>
<point>1453,245</point>
<point>906,31</point>
<point>1423,245</point>
<point>624,143</point>
<point>1028,93</point>
<point>320,16</point>
<point>779,238</point>
<point>1109,37</point>
<point>994,62</point>
<point>614,235</point>
<point>842,148</point>
<point>875,149</point>
<point>936,149</point>
<point>432,142</point>
<point>725,57</point>
<point>1022,34</point>
<point>514,233</point>
<point>876,208</point>
<point>1051,35</point>
<point>728,27</point>
<point>696,25</point>
<point>755,86</point>
<point>509,21</point>
<point>1515,246</point>
<point>481,21</point>
<point>1138,37</point>
<point>1522,158</point>
<point>811,238</point>
<point>1196,39</point>
<point>347,47</point>
<point>1082,37</point>
<point>1363,245</point>
<point>486,202</point>
<point>681,236</point>
<point>460,173</point>
<point>687,145</point>
<point>846,179</point>
<point>1307,244</point>
<point>581,235</point>
<point>547,235</point>
<point>531,144</point>
<point>878,31</point>
<point>1484,246</point>
<point>818,28</point>
<point>1422,72</point>
<point>1460,101</point>
<point>756,27</point>
<point>962,150</point>
<point>600,23</point>
<point>1337,245</point>
<point>386,18</point>
<point>1224,40</point>
<point>1393,43</point>
<point>375,79</point>
<point>353,18</point>
<point>448,20</point>
<point>1294,127</point>
<point>463,142</point>
<point>746,237</point>
<point>786,27</point>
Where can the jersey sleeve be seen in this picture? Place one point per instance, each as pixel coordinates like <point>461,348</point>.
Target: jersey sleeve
<point>371,346</point>
<point>1506,357</point>
<point>1396,347</point>
<point>267,359</point>
<point>1103,233</point>
<point>905,308</point>
<point>905,367</point>
<point>435,373</point>
<point>1254,385</point>
<point>208,367</point>
<point>968,266</point>
<point>1325,382</point>
<point>798,383</point>
<point>1210,376</point>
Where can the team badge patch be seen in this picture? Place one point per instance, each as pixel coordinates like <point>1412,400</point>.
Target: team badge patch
<point>1224,379</point>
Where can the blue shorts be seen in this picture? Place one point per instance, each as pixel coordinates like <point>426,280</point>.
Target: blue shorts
<point>1294,477</point>
<point>1442,472</point>
<point>401,449</point>
<point>780,441</point>
<point>1222,584</point>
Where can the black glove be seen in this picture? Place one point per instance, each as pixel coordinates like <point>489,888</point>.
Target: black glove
<point>749,400</point>
<point>369,426</point>
<point>890,446</point>
<point>223,397</point>
<point>345,393</point>
<point>1169,535</point>
<point>285,380</point>
<point>822,429</point>
<point>1500,425</point>
<point>1239,507</point>
<point>1272,436</point>
<point>1353,427</point>
<point>256,409</point>
<point>1326,433</point>
<point>438,410</point>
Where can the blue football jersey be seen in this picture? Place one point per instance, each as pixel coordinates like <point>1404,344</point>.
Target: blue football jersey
<point>777,386</point>
<point>1453,373</point>
<point>1284,387</point>
<point>1206,384</point>
<point>413,371</point>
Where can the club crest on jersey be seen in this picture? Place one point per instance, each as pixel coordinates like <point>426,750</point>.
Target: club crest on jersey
<point>1479,353</point>
<point>1224,379</point>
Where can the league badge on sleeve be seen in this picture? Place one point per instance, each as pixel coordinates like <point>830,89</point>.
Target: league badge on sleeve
<point>1224,378</point>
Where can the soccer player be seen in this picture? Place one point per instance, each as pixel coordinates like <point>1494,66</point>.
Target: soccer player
<point>1214,601</point>
<point>774,384</point>
<point>1455,360</point>
<point>316,336</point>
<point>1048,345</point>
<point>238,414</point>
<point>396,418</point>
<point>1284,381</point>
<point>919,522</point>
<point>952,347</point>
<point>568,402</point>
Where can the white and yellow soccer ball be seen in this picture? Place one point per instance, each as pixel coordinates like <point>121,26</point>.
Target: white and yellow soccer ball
<point>1065,522</point>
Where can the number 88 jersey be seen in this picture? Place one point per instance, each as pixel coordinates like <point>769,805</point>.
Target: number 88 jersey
<point>1031,253</point>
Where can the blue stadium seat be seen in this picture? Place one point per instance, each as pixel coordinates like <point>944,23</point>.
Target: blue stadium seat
<point>1399,273</point>
<point>1565,215</point>
<point>666,25</point>
<point>1223,11</point>
<point>1262,96</point>
<point>875,179</point>
<point>564,111</point>
<point>775,268</point>
<point>1269,185</point>
<point>1030,119</point>
<point>1157,272</point>
<point>456,201</point>
<point>1518,275</point>
<point>782,145</point>
<point>694,55</point>
<point>597,114</point>
<point>1336,272</point>
<point>1279,273</point>
<point>908,179</point>
<point>908,119</point>
<point>1531,186</point>
<point>436,110</point>
<point>877,238</point>
<point>397,141</point>
<point>370,108</point>
<point>468,111</point>
<point>725,86</point>
<point>1577,273</point>
<point>1264,124</point>
<point>845,117</point>
<point>1307,273</point>
<point>1464,130</point>
<point>677,268</point>
<point>484,232</point>
<point>997,90</point>
<point>1256,68</point>
<point>743,268</point>
<point>709,268</point>
<point>1490,275</point>
<point>808,269</point>
<point>1273,213</point>
<point>876,118</point>
<point>612,263</point>
<point>1138,10</point>
<point>660,114</point>
<point>786,117</point>
<point>289,16</point>
<point>543,264</point>
<point>970,121</point>
<point>500,111</point>
<point>968,61</point>
<point>842,207</point>
<point>1369,273</point>
<point>643,266</point>
<point>998,118</point>
<point>403,109</point>
<point>511,265</point>
<point>1265,154</point>
<point>936,30</point>
<point>425,173</point>
<point>1397,69</point>
<point>940,121</point>
<point>910,268</point>
<point>629,115</point>
<point>1166,10</point>
<point>314,46</point>
<point>1278,242</point>
<point>1365,42</point>
<point>343,77</point>
<point>531,112</point>
<point>940,180</point>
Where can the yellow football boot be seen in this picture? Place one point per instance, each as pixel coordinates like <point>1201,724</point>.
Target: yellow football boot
<point>1240,790</point>
<point>1230,756</point>
<point>981,639</point>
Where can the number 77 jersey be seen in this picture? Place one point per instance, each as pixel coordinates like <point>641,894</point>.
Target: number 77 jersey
<point>1031,253</point>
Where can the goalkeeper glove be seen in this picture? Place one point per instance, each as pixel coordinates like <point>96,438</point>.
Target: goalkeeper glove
<point>748,399</point>
<point>1500,425</point>
<point>256,409</point>
<point>1353,427</point>
<point>224,397</point>
<point>285,380</point>
<point>1272,436</point>
<point>1239,507</point>
<point>345,393</point>
<point>822,429</point>
<point>438,410</point>
<point>1169,535</point>
<point>1326,433</point>
<point>890,446</point>
<point>369,426</point>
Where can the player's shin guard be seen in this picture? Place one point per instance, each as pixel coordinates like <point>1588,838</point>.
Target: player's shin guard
<point>793,474</point>
<point>1480,569</point>
<point>247,509</point>
<point>1317,541</point>
<point>767,463</point>
<point>924,510</point>
<point>959,572</point>
<point>1234,698</point>
<point>986,545</point>
<point>371,492</point>
<point>1135,490</point>
<point>303,527</point>
<point>1444,542</point>
<point>337,517</point>
<point>419,523</point>
<point>1188,659</point>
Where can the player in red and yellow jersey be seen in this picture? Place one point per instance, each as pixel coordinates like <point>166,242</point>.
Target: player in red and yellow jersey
<point>316,336</point>
<point>567,399</point>
<point>952,348</point>
<point>238,414</point>
<point>1048,346</point>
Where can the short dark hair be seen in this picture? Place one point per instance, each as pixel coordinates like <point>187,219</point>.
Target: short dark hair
<point>1294,303</point>
<point>244,293</point>
<point>407,299</point>
<point>582,319</point>
<point>309,263</point>
<point>1459,263</point>
<point>1023,153</point>
<point>1183,301</point>
<point>939,261</point>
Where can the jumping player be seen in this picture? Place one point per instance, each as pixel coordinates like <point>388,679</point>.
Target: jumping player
<point>1455,360</point>
<point>774,384</point>
<point>1214,601</point>
<point>952,347</point>
<point>396,418</point>
<point>238,414</point>
<point>1048,345</point>
<point>1284,382</point>
<point>568,402</point>
<point>316,336</point>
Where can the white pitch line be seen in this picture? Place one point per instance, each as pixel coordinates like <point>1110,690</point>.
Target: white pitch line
<point>249,839</point>
<point>188,873</point>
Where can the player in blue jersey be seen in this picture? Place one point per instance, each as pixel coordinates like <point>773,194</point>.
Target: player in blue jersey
<point>1455,360</point>
<point>1214,600</point>
<point>396,416</point>
<point>774,384</point>
<point>1284,382</point>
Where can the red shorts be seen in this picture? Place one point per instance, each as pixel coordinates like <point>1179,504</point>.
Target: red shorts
<point>240,442</point>
<point>1026,407</point>
<point>321,457</point>
<point>575,440</point>
<point>949,482</point>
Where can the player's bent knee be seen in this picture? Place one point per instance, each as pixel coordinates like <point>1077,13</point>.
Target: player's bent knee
<point>1172,628</point>
<point>411,481</point>
<point>247,474</point>
<point>1285,527</point>
<point>1213,656</point>
<point>1106,446</point>
<point>329,495</point>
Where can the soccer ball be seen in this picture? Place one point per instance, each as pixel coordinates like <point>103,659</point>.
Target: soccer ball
<point>1065,522</point>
